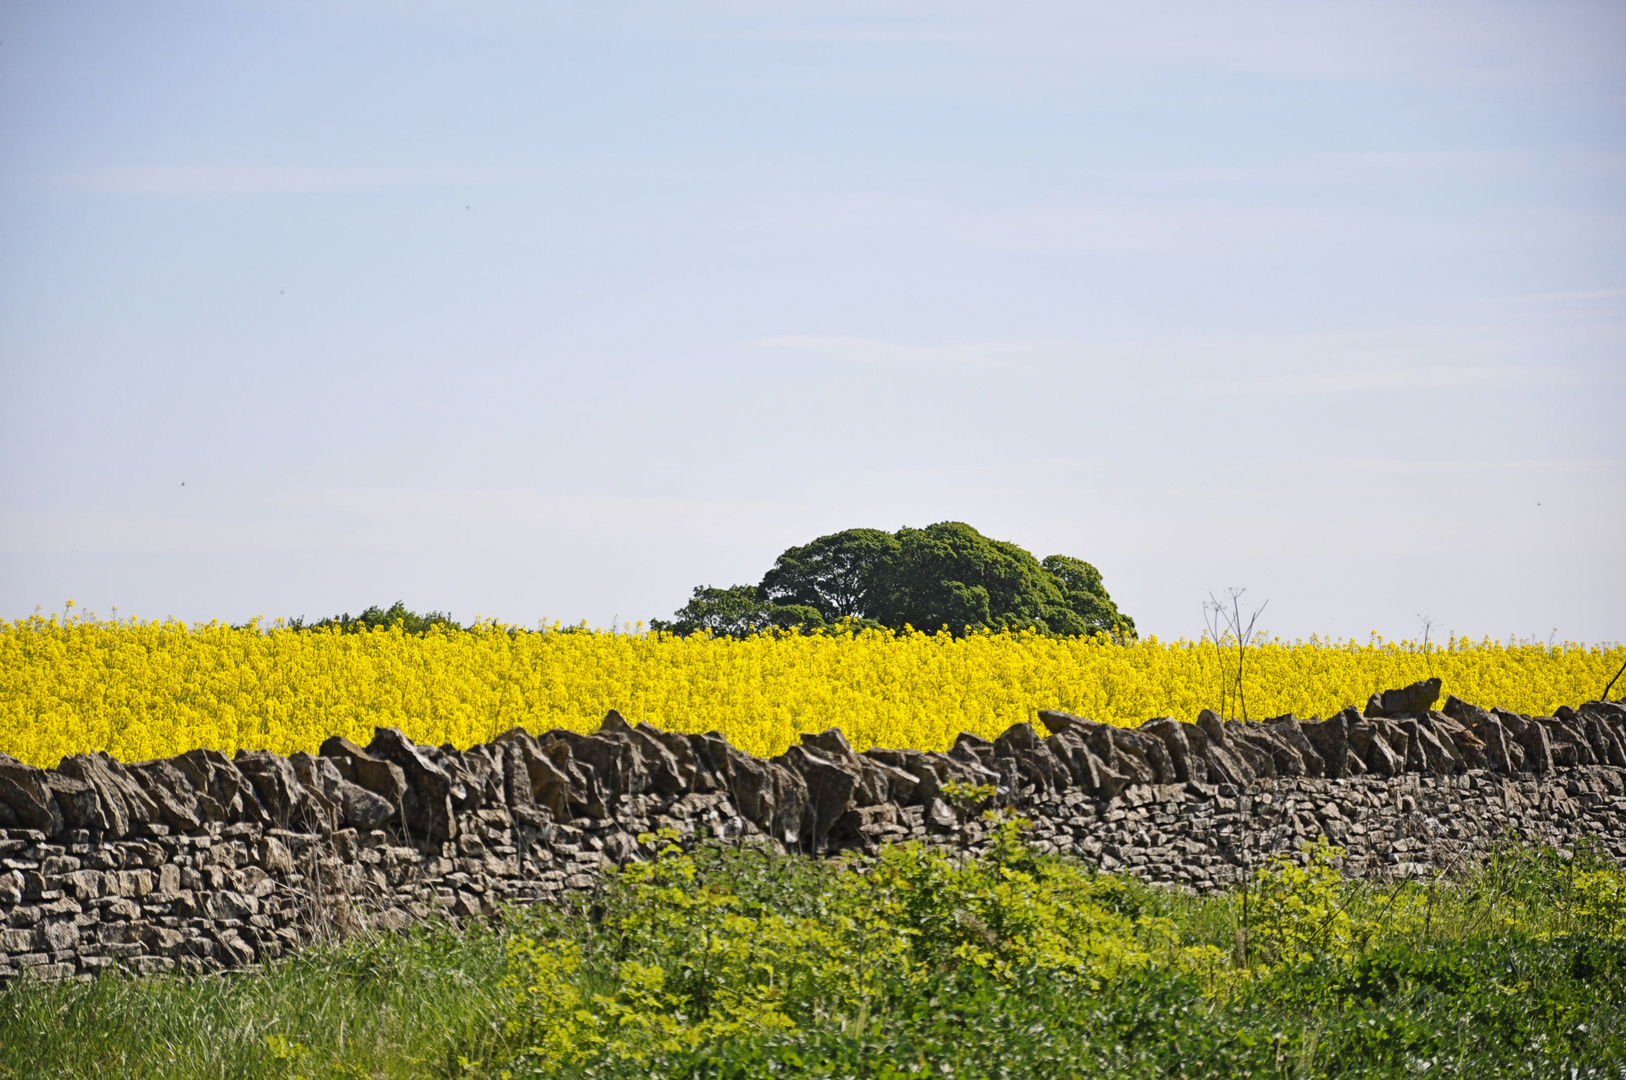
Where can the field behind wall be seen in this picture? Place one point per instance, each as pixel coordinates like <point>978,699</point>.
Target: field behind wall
<point>148,689</point>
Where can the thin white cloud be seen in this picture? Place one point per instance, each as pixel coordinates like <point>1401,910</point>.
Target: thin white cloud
<point>1057,470</point>
<point>384,520</point>
<point>1182,220</point>
<point>263,179</point>
<point>1443,42</point>
<point>1399,466</point>
<point>48,531</point>
<point>1584,294</point>
<point>1362,381</point>
<point>883,353</point>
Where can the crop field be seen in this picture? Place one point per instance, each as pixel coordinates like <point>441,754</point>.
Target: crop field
<point>148,689</point>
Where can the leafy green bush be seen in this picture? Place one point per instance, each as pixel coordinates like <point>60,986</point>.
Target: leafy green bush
<point>1299,909</point>
<point>376,617</point>
<point>697,958</point>
<point>1014,964</point>
<point>947,574</point>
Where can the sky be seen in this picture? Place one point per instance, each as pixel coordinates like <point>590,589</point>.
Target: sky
<point>555,311</point>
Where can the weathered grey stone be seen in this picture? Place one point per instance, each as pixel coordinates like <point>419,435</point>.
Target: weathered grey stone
<point>666,776</point>
<point>585,795</point>
<point>1087,771</point>
<point>235,905</point>
<point>878,782</point>
<point>1467,748</point>
<point>287,803</point>
<point>1606,746</point>
<point>972,747</point>
<point>1034,760</point>
<point>751,785</point>
<point>1288,731</point>
<point>1056,721</point>
<point>969,760</point>
<point>1258,750</point>
<point>1330,737</point>
<point>689,773</point>
<point>362,808</point>
<point>1188,766</point>
<point>56,935</point>
<point>80,806</point>
<point>238,894</point>
<point>711,752</point>
<point>1284,758</point>
<point>24,790</point>
<point>1531,737</point>
<point>383,778</point>
<point>940,814</point>
<point>1432,755</point>
<point>518,794</point>
<point>926,772</point>
<point>320,778</point>
<point>469,773</point>
<point>1609,717</point>
<point>216,778</point>
<point>792,800</point>
<point>1120,751</point>
<point>1498,747</point>
<point>865,822</point>
<point>1469,716</point>
<point>171,793</point>
<point>137,803</point>
<point>114,812</point>
<point>900,785</point>
<point>1412,700</point>
<point>611,758</point>
<point>1224,765</point>
<point>830,789</point>
<point>346,804</point>
<point>532,777</point>
<point>1368,742</point>
<point>871,789</point>
<point>1567,742</point>
<point>489,762</point>
<point>275,857</point>
<point>1146,749</point>
<point>196,787</point>
<point>430,791</point>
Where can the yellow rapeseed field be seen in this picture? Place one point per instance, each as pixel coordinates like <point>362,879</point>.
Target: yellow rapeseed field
<point>147,689</point>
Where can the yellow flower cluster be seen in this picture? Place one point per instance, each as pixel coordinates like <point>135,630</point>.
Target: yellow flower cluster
<point>148,689</point>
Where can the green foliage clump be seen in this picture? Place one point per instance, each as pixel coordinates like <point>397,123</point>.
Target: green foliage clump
<point>1299,907</point>
<point>378,618</point>
<point>737,611</point>
<point>947,574</point>
<point>731,964</point>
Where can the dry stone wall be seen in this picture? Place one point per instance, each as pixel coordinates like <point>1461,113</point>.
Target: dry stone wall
<point>200,862</point>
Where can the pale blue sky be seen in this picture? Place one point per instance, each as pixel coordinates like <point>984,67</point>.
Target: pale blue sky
<point>544,310</point>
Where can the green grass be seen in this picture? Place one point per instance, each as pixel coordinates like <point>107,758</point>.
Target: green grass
<point>391,1006</point>
<point>733,963</point>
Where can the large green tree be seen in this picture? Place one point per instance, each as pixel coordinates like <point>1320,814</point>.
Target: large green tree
<point>838,575</point>
<point>947,574</point>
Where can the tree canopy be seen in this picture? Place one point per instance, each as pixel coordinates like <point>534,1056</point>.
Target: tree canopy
<point>374,617</point>
<point>947,574</point>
